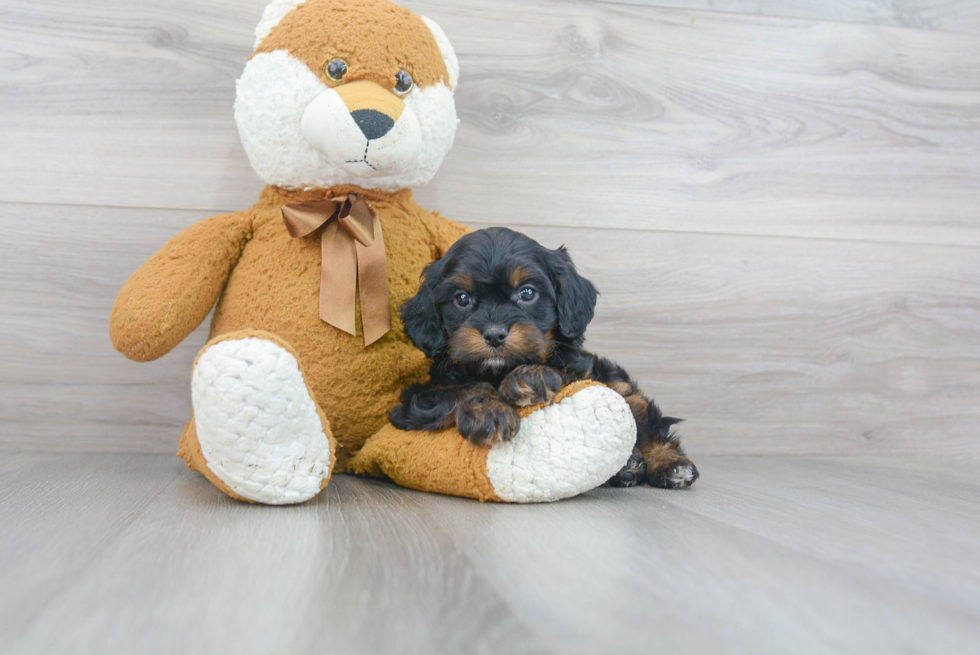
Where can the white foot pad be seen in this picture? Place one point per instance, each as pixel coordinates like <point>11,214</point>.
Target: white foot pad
<point>257,425</point>
<point>565,449</point>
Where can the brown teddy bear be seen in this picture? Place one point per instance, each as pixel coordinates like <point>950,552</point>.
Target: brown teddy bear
<point>344,106</point>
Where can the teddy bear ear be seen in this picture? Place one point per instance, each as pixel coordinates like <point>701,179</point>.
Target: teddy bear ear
<point>446,48</point>
<point>274,12</point>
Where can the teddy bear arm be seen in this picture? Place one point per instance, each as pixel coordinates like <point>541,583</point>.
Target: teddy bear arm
<point>173,291</point>
<point>574,443</point>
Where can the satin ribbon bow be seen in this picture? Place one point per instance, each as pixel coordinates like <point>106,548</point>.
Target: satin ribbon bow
<point>353,256</point>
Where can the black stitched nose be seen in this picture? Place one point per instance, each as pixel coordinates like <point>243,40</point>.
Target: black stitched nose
<point>495,336</point>
<point>373,123</point>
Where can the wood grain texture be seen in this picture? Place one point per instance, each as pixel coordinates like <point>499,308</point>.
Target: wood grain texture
<point>62,385</point>
<point>355,571</point>
<point>804,556</point>
<point>804,346</point>
<point>108,102</point>
<point>764,555</point>
<point>601,115</point>
<point>763,344</point>
<point>778,202</point>
<point>702,126</point>
<point>583,113</point>
<point>58,514</point>
<point>942,15</point>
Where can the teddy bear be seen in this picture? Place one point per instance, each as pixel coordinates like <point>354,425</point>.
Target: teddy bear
<point>343,108</point>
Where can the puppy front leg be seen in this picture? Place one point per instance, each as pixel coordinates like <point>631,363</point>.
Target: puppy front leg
<point>477,410</point>
<point>428,407</point>
<point>531,384</point>
<point>484,418</point>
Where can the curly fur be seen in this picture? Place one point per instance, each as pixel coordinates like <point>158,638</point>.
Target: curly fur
<point>503,320</point>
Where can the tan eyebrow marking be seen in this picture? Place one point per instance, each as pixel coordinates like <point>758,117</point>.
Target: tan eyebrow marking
<point>519,276</point>
<point>464,282</point>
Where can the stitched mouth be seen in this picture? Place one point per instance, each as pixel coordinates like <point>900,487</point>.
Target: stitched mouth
<point>363,160</point>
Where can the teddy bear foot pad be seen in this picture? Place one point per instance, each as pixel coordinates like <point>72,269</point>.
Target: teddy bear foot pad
<point>564,449</point>
<point>257,424</point>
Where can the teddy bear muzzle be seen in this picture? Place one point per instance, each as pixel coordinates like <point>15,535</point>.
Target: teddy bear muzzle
<point>364,129</point>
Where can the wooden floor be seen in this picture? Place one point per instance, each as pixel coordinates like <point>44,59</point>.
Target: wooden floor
<point>135,554</point>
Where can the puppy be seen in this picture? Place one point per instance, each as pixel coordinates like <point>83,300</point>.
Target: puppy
<point>503,320</point>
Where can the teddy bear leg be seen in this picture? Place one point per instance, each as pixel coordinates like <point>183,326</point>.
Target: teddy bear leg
<point>576,443</point>
<point>256,432</point>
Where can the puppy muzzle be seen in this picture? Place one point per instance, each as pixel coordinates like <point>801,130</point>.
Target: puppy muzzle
<point>363,129</point>
<point>495,348</point>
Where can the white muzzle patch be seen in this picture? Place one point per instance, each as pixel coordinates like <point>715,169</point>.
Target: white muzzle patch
<point>364,143</point>
<point>286,117</point>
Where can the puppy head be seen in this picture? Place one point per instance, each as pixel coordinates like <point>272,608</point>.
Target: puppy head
<point>347,92</point>
<point>499,299</point>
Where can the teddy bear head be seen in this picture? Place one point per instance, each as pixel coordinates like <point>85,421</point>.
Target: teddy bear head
<point>341,92</point>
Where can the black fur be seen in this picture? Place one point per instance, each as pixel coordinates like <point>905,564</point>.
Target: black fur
<point>422,325</point>
<point>576,295</point>
<point>503,320</point>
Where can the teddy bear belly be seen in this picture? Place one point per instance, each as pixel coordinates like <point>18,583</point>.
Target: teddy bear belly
<point>275,288</point>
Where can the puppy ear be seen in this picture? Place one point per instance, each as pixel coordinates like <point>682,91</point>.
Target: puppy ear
<point>423,323</point>
<point>576,296</point>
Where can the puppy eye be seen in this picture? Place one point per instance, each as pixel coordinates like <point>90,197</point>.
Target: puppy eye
<point>403,83</point>
<point>462,299</point>
<point>527,294</point>
<point>336,69</point>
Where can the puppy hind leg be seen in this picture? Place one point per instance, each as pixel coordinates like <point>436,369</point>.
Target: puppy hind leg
<point>635,470</point>
<point>667,466</point>
<point>632,474</point>
<point>658,449</point>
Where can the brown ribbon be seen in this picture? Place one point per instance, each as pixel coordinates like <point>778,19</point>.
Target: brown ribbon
<point>353,256</point>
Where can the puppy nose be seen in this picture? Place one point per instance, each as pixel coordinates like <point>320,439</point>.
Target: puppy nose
<point>373,123</point>
<point>495,335</point>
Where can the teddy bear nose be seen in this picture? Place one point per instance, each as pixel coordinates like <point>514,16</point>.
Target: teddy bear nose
<point>373,123</point>
<point>495,335</point>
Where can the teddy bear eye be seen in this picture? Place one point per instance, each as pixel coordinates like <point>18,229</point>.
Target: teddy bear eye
<point>527,294</point>
<point>403,83</point>
<point>336,69</point>
<point>462,299</point>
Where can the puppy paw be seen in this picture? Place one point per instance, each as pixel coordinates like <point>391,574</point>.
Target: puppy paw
<point>531,384</point>
<point>487,421</point>
<point>676,475</point>
<point>632,474</point>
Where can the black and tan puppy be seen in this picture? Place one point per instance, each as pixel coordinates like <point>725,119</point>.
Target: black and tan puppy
<point>503,320</point>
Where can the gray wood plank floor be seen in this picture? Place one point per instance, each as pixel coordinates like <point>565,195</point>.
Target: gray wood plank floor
<point>133,553</point>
